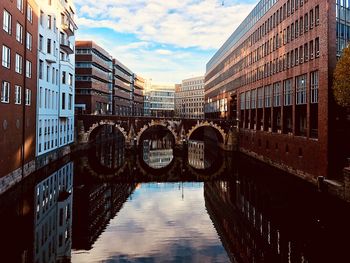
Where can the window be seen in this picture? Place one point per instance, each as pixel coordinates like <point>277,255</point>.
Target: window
<point>268,94</point>
<point>242,101</point>
<point>20,5</point>
<point>253,99</point>
<point>314,87</point>
<point>70,80</point>
<point>7,18</point>
<point>63,77</point>
<point>277,94</point>
<point>70,101</point>
<point>306,22</point>
<point>301,89</point>
<point>317,47</point>
<point>5,92</point>
<point>49,21</point>
<point>18,94</point>
<point>29,41</point>
<point>41,69</point>
<point>311,18</point>
<point>47,73</point>
<point>49,46</point>
<point>28,97</point>
<point>28,69</point>
<point>41,18</point>
<point>247,100</point>
<point>288,92</point>
<point>19,33</point>
<point>306,52</point>
<point>30,13</point>
<point>311,47</point>
<point>19,64</point>
<point>41,42</point>
<point>6,57</point>
<point>260,97</point>
<point>317,15</point>
<point>63,101</point>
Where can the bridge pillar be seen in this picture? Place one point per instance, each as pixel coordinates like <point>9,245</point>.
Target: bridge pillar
<point>83,136</point>
<point>232,140</point>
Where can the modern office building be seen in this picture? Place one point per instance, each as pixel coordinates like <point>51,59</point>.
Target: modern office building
<point>161,100</point>
<point>123,89</point>
<point>18,77</point>
<point>189,98</point>
<point>55,107</point>
<point>94,79</point>
<point>274,75</point>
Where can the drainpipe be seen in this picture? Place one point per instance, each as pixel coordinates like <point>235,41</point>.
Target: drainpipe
<point>23,95</point>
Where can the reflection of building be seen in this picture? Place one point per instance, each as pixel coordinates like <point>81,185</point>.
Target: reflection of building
<point>158,153</point>
<point>53,216</point>
<point>189,98</point>
<point>161,100</point>
<point>94,206</point>
<point>93,78</point>
<point>110,147</point>
<point>196,154</point>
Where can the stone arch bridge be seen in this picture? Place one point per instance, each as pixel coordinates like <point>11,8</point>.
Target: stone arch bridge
<point>133,128</point>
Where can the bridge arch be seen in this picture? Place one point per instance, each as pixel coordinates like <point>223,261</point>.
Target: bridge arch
<point>154,124</point>
<point>97,125</point>
<point>217,128</point>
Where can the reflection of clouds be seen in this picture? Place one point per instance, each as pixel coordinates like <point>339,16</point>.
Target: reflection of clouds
<point>157,224</point>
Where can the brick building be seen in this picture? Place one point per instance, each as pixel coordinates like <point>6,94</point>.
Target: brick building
<point>94,78</point>
<point>18,77</point>
<point>274,75</point>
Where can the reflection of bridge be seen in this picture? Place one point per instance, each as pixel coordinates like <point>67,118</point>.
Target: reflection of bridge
<point>133,128</point>
<point>134,169</point>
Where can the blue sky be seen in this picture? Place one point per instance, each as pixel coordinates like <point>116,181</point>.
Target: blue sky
<point>162,40</point>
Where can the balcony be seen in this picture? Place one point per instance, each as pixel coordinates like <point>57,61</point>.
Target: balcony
<point>121,94</point>
<point>122,84</point>
<point>68,28</point>
<point>67,46</point>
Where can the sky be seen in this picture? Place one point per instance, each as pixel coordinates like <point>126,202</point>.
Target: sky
<point>163,40</point>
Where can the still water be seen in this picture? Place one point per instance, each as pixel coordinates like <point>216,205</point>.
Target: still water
<point>161,204</point>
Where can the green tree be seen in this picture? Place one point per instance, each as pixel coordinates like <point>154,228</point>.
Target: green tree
<point>341,87</point>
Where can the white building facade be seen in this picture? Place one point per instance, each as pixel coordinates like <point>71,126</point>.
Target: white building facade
<point>56,74</point>
<point>161,100</point>
<point>189,98</point>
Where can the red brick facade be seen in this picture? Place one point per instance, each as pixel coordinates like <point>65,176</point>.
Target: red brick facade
<point>13,113</point>
<point>284,52</point>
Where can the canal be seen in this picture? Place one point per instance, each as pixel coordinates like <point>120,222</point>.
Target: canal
<point>159,203</point>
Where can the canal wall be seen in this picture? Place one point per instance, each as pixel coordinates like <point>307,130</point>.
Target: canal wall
<point>339,188</point>
<point>10,180</point>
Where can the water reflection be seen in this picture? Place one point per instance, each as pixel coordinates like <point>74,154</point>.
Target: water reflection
<point>237,210</point>
<point>202,154</point>
<point>158,150</point>
<point>160,222</point>
<point>109,149</point>
<point>53,198</point>
<point>95,205</point>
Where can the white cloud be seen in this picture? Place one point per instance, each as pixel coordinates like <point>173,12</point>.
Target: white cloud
<point>187,23</point>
